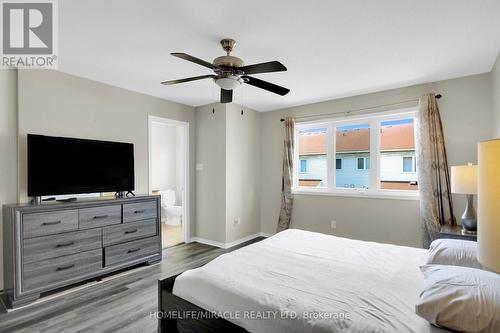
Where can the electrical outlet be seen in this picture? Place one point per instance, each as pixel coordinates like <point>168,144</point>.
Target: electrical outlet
<point>333,224</point>
<point>237,221</point>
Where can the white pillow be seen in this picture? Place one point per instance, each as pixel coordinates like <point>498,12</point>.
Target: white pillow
<point>460,298</point>
<point>454,252</point>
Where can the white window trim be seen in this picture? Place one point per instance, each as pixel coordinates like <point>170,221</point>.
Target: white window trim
<point>373,119</point>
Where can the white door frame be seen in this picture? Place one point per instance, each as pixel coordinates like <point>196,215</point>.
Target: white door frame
<point>185,200</point>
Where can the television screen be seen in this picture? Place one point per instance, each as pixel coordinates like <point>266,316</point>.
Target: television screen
<point>58,165</point>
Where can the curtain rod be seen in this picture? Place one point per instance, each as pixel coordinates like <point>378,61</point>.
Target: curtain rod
<point>356,110</point>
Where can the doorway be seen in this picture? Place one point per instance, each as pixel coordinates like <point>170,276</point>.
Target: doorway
<point>169,176</point>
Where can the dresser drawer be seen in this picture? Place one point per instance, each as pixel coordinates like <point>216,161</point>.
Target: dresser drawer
<point>128,231</point>
<point>47,273</point>
<point>139,211</point>
<point>120,253</point>
<point>48,223</point>
<point>99,216</point>
<point>46,247</point>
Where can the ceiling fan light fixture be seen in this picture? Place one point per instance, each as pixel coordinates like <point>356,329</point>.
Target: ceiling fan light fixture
<point>229,82</point>
<point>230,72</point>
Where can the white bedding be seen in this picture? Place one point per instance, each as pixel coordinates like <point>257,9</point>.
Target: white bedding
<point>317,282</point>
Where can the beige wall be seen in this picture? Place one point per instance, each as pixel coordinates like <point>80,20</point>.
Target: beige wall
<point>495,88</point>
<point>466,114</point>
<point>54,103</point>
<point>228,148</point>
<point>242,172</point>
<point>211,181</point>
<point>8,146</point>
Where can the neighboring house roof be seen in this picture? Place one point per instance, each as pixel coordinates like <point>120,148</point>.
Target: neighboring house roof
<point>398,137</point>
<point>312,143</point>
<point>353,140</point>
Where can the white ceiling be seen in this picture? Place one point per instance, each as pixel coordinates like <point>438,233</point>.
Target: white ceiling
<point>332,49</point>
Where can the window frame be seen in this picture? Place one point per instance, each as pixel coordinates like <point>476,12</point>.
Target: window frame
<point>374,121</point>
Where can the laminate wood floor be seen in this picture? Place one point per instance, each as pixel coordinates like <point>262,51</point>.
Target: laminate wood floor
<point>121,304</point>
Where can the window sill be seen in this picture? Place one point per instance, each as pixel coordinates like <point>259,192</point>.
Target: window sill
<point>392,195</point>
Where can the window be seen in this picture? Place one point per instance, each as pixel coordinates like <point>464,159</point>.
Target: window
<point>303,166</point>
<point>408,164</point>
<point>363,163</point>
<point>312,154</point>
<point>397,155</point>
<point>358,155</point>
<point>338,163</point>
<point>352,145</point>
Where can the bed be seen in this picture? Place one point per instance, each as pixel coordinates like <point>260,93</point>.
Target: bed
<point>299,281</point>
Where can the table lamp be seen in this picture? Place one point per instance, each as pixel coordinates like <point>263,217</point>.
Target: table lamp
<point>464,181</point>
<point>488,184</point>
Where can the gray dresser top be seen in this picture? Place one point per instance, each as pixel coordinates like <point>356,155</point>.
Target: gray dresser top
<point>79,203</point>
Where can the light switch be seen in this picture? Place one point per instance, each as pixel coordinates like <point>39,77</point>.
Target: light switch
<point>199,166</point>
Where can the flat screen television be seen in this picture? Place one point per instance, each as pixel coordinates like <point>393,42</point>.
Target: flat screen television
<point>58,165</point>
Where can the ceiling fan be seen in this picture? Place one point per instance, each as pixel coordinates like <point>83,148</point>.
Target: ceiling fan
<point>230,72</point>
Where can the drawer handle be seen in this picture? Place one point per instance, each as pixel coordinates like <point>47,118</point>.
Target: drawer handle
<point>63,268</point>
<point>51,223</point>
<point>130,231</point>
<point>65,244</point>
<point>140,211</point>
<point>134,250</point>
<point>100,216</point>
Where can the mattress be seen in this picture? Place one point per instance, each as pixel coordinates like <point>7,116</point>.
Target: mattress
<point>300,281</point>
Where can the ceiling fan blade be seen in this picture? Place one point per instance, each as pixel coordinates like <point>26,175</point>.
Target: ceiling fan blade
<point>266,85</point>
<point>194,78</point>
<point>226,96</point>
<point>265,67</point>
<point>194,59</point>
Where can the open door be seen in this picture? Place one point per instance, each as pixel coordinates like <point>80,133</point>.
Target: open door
<point>168,176</point>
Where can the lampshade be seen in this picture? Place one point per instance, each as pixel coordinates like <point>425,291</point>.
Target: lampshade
<point>229,83</point>
<point>464,179</point>
<point>489,204</point>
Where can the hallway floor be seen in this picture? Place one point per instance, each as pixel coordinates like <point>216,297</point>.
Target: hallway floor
<point>171,235</point>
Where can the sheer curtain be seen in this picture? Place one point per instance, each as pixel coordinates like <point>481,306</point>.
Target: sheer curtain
<point>436,207</point>
<point>287,178</point>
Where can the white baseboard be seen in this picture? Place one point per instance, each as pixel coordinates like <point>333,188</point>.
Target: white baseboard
<point>230,244</point>
<point>244,239</point>
<point>206,241</point>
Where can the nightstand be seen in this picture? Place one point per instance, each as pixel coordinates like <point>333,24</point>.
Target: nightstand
<point>455,232</point>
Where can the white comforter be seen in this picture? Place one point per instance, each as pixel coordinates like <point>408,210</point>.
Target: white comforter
<point>300,281</point>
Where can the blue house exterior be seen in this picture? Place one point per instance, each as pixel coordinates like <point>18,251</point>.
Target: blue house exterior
<point>352,164</point>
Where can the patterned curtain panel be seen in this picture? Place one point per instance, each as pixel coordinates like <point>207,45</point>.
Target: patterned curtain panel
<point>286,181</point>
<point>436,207</point>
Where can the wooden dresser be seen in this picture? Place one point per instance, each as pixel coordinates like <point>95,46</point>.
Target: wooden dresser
<point>55,244</point>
